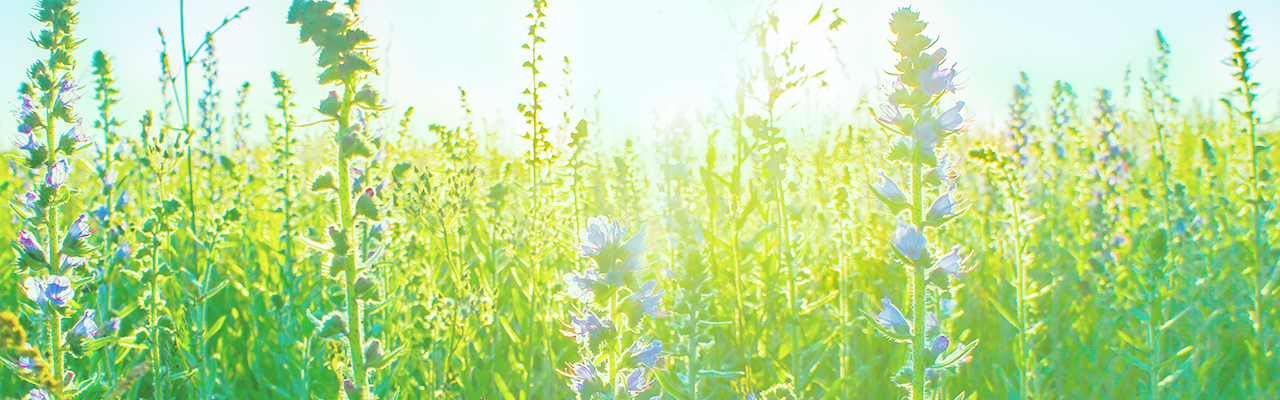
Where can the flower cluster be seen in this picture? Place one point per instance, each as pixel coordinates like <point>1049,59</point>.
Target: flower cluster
<point>612,304</point>
<point>50,261</point>
<point>920,131</point>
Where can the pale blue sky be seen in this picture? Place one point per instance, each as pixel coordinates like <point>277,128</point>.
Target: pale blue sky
<point>660,54</point>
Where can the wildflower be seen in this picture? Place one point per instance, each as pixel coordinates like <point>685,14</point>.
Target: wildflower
<point>943,207</point>
<point>890,114</point>
<point>87,327</point>
<point>909,241</point>
<point>646,354</point>
<point>890,193</point>
<point>364,287</point>
<point>934,81</point>
<point>73,139</point>
<point>937,346</point>
<point>26,363</point>
<point>891,318</point>
<point>74,241</point>
<point>54,289</point>
<point>926,136</point>
<point>950,120</point>
<point>67,95</point>
<point>30,248</point>
<point>952,263</point>
<point>38,394</point>
<point>636,381</point>
<point>585,327</point>
<point>57,175</point>
<point>68,262</point>
<point>27,141</point>
<point>599,233</point>
<point>648,299</point>
<point>582,285</point>
<point>584,378</point>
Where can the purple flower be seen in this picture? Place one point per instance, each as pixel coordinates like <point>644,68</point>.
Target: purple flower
<point>57,175</point>
<point>952,263</point>
<point>28,106</point>
<point>926,136</point>
<point>908,240</point>
<point>890,193</point>
<point>939,344</point>
<point>600,232</point>
<point>111,327</point>
<point>87,327</point>
<point>943,207</point>
<point>648,299</point>
<point>38,394</point>
<point>26,363</point>
<point>933,80</point>
<point>54,289</point>
<point>646,354</point>
<point>583,328</point>
<point>950,120</point>
<point>67,262</point>
<point>78,232</point>
<point>636,381</point>
<point>30,246</point>
<point>67,92</point>
<point>582,285</point>
<point>25,140</point>
<point>890,114</point>
<point>72,139</point>
<point>584,378</point>
<point>891,318</point>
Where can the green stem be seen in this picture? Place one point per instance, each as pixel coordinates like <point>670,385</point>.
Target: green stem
<point>917,288</point>
<point>1025,353</point>
<point>356,327</point>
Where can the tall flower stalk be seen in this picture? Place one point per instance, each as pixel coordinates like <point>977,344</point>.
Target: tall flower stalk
<point>919,128</point>
<point>343,50</point>
<point>609,321</point>
<point>52,266</point>
<point>1263,285</point>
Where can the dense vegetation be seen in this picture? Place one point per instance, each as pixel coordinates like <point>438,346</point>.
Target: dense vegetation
<point>1099,246</point>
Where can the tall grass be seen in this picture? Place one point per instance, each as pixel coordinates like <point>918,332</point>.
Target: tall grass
<point>1101,244</point>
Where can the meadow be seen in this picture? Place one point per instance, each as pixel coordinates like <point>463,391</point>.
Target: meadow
<point>1099,244</point>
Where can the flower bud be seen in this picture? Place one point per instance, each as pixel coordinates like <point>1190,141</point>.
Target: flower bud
<point>367,96</point>
<point>373,354</point>
<point>352,391</point>
<point>331,105</point>
<point>333,326</point>
<point>365,206</point>
<point>365,286</point>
